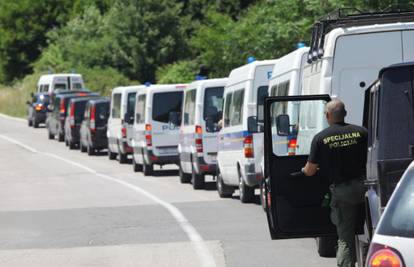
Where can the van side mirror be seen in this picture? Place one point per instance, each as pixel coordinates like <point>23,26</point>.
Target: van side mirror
<point>175,118</point>
<point>252,126</point>
<point>283,125</point>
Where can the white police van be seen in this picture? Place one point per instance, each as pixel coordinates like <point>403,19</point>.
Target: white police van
<point>156,126</point>
<point>120,122</point>
<point>202,111</point>
<point>51,82</point>
<point>345,56</point>
<point>241,138</point>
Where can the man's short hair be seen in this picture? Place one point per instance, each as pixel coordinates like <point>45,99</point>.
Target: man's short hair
<point>336,108</point>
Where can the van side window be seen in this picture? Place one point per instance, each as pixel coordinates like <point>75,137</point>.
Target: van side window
<point>281,89</point>
<point>262,92</point>
<point>131,104</point>
<point>46,88</point>
<point>189,107</point>
<point>116,106</point>
<point>61,86</point>
<point>140,109</point>
<point>236,108</point>
<point>229,97</point>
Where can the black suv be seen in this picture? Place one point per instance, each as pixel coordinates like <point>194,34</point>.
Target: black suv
<point>94,126</point>
<point>57,112</point>
<point>74,117</point>
<point>37,109</point>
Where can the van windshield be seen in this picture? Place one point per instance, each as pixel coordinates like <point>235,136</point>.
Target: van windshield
<point>166,103</point>
<point>213,107</point>
<point>60,86</point>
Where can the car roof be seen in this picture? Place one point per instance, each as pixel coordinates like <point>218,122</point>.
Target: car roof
<point>84,98</point>
<point>100,100</point>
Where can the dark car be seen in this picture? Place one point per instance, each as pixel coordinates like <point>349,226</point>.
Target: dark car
<point>37,109</point>
<point>57,112</point>
<point>74,117</point>
<point>94,126</point>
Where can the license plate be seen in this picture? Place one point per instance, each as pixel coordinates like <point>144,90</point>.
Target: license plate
<point>165,151</point>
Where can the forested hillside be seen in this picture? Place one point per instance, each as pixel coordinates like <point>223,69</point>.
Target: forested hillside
<point>116,42</point>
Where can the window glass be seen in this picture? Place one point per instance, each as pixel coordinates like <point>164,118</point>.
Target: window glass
<point>229,97</point>
<point>46,88</point>
<point>213,107</point>
<point>131,104</point>
<point>262,93</point>
<point>294,124</point>
<point>87,111</point>
<point>116,106</point>
<point>61,86</point>
<point>398,220</point>
<point>236,108</point>
<point>140,109</point>
<point>77,86</point>
<point>101,113</point>
<point>165,104</point>
<point>189,107</point>
<point>79,111</point>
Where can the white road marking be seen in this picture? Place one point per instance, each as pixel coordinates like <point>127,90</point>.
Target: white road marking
<point>12,118</point>
<point>205,256</point>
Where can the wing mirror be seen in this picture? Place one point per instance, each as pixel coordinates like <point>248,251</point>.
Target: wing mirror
<point>175,118</point>
<point>252,125</point>
<point>283,125</point>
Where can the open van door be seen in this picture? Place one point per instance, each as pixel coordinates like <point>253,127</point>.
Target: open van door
<point>295,203</point>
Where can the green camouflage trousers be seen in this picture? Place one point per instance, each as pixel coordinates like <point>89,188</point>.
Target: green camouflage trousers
<point>345,204</point>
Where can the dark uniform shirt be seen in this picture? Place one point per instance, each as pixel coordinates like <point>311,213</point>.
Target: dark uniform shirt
<point>340,152</point>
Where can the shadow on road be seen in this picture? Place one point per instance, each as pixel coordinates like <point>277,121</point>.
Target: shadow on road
<point>161,173</point>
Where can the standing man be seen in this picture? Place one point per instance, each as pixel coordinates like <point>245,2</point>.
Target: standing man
<point>339,153</point>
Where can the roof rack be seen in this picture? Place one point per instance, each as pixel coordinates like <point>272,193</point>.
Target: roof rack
<point>349,17</point>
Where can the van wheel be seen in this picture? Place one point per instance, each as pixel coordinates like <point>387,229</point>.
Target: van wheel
<point>185,178</point>
<point>327,246</point>
<point>72,145</point>
<point>197,180</point>
<point>246,192</point>
<point>35,124</point>
<point>223,190</point>
<point>123,158</point>
<point>111,155</point>
<point>137,167</point>
<point>61,138</point>
<point>50,136</point>
<point>91,151</point>
<point>83,149</point>
<point>147,169</point>
<point>29,123</point>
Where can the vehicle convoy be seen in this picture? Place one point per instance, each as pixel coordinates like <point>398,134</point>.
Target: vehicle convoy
<point>94,126</point>
<point>37,109</point>
<point>156,126</point>
<point>295,203</point>
<point>74,117</point>
<point>55,122</point>
<point>50,82</point>
<point>197,148</point>
<point>241,139</point>
<point>120,122</point>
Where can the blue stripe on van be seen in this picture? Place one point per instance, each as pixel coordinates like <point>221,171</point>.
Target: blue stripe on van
<point>232,141</point>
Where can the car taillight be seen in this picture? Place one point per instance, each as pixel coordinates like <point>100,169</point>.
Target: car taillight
<point>383,256</point>
<point>292,147</point>
<point>248,146</point>
<point>92,125</point>
<point>123,131</point>
<point>72,115</point>
<point>199,140</point>
<point>39,107</point>
<point>62,107</point>
<point>148,137</point>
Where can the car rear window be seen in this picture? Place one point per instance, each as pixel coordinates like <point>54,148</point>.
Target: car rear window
<point>398,219</point>
<point>213,104</point>
<point>165,103</point>
<point>131,104</point>
<point>80,111</point>
<point>102,113</point>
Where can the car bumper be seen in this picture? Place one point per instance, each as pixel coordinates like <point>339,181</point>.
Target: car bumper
<point>251,177</point>
<point>202,167</point>
<point>40,117</point>
<point>151,158</point>
<point>125,148</point>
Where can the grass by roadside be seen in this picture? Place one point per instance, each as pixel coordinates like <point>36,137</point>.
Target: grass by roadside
<point>13,98</point>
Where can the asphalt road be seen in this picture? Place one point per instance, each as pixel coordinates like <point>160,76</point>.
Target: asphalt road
<point>63,208</point>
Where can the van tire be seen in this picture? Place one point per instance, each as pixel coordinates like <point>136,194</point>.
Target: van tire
<point>327,246</point>
<point>29,123</point>
<point>123,158</point>
<point>61,138</point>
<point>35,124</point>
<point>50,136</point>
<point>136,167</point>
<point>72,145</point>
<point>91,150</point>
<point>111,155</point>
<point>246,192</point>
<point>147,169</point>
<point>185,178</point>
<point>223,190</point>
<point>83,149</point>
<point>198,180</point>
